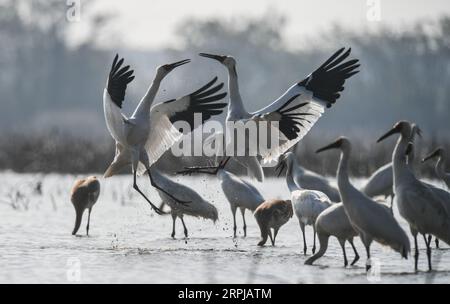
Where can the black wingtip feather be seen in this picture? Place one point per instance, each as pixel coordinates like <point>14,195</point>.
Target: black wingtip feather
<point>205,87</point>
<point>118,80</point>
<point>328,80</point>
<point>202,101</point>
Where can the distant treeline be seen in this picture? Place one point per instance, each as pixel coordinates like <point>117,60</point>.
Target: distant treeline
<point>51,117</point>
<point>45,82</point>
<point>65,153</point>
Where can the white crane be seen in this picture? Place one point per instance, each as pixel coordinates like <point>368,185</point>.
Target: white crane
<point>371,220</point>
<point>307,204</point>
<point>197,207</point>
<point>149,132</point>
<point>440,192</point>
<point>272,214</point>
<point>292,115</point>
<point>334,222</point>
<point>421,206</point>
<point>239,193</point>
<point>84,195</point>
<point>381,182</point>
<point>302,178</point>
<point>439,169</point>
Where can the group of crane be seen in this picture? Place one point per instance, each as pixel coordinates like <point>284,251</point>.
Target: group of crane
<point>344,212</point>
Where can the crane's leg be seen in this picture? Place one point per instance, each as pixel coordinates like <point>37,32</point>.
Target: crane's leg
<point>436,241</point>
<point>342,243</point>
<point>152,182</point>
<point>366,241</point>
<point>302,227</point>
<point>243,218</point>
<point>368,266</point>
<point>144,159</point>
<point>135,186</point>
<point>416,253</point>
<point>265,231</point>
<point>323,243</point>
<point>428,243</point>
<point>89,219</point>
<point>204,169</point>
<point>314,236</point>
<point>233,211</point>
<point>174,218</point>
<point>275,233</point>
<point>271,238</point>
<point>184,226</point>
<point>355,251</point>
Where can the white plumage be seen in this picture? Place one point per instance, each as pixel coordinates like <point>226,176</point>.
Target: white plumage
<point>306,179</point>
<point>197,207</point>
<point>372,221</point>
<point>240,194</point>
<point>149,132</point>
<point>423,207</point>
<point>307,204</point>
<point>334,222</point>
<point>293,114</point>
<point>441,163</point>
<point>381,182</point>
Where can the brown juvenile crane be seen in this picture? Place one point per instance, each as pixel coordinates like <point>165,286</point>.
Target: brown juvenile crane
<point>84,195</point>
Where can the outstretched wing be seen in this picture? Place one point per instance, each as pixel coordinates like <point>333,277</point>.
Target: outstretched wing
<point>163,116</point>
<point>299,108</point>
<point>202,101</point>
<point>113,96</point>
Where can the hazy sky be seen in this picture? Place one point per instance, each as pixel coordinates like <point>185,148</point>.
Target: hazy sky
<point>143,23</point>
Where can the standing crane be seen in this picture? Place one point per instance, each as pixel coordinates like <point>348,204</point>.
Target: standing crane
<point>197,207</point>
<point>307,204</point>
<point>84,195</point>
<point>421,206</point>
<point>371,220</point>
<point>439,169</point>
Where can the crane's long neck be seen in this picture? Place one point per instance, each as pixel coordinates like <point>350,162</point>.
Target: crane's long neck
<point>402,168</point>
<point>343,180</point>
<point>236,108</point>
<point>289,179</point>
<point>144,105</point>
<point>411,158</point>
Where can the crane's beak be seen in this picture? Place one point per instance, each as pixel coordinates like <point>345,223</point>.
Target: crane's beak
<point>389,133</point>
<point>174,65</point>
<point>212,56</point>
<point>280,167</point>
<point>433,154</point>
<point>335,145</point>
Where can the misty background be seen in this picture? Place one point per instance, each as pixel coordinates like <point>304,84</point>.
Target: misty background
<point>53,71</point>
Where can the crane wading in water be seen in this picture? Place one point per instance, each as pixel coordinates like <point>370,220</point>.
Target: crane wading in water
<point>423,207</point>
<point>307,204</point>
<point>372,221</point>
<point>84,195</point>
